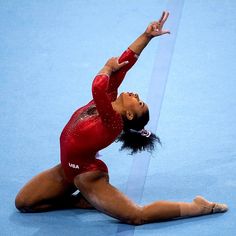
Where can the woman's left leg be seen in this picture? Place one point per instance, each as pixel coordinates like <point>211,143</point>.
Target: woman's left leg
<point>104,197</point>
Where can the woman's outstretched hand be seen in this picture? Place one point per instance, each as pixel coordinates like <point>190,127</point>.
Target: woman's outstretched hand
<point>155,28</point>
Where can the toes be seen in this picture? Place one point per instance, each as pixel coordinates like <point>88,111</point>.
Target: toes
<point>219,207</point>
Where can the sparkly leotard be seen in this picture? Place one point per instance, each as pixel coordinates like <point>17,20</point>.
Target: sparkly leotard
<point>95,125</point>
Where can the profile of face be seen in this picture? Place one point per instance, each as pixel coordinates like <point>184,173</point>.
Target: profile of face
<point>133,105</point>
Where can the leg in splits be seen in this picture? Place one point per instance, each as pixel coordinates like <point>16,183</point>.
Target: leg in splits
<point>104,197</point>
<point>47,191</point>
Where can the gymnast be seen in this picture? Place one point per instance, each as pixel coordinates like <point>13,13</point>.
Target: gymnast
<point>103,120</point>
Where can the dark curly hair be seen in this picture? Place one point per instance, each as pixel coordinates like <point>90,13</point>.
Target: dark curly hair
<point>131,137</point>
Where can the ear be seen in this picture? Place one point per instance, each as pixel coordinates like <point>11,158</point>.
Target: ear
<point>129,115</point>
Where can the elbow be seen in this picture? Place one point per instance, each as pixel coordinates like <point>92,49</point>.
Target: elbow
<point>100,83</point>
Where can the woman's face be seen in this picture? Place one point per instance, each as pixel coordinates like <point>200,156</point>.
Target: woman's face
<point>131,102</point>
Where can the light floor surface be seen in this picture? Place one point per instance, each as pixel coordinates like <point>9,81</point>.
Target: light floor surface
<point>49,53</point>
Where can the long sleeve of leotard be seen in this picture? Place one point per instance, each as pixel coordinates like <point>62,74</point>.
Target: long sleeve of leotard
<point>104,85</point>
<point>101,98</point>
<point>117,77</point>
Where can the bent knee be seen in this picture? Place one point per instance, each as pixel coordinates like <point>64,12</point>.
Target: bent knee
<point>136,218</point>
<point>23,205</point>
<point>134,221</point>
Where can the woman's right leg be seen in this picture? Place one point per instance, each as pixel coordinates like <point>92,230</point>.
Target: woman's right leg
<point>47,191</point>
<point>104,197</point>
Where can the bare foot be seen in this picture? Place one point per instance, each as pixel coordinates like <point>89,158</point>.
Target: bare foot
<point>206,207</point>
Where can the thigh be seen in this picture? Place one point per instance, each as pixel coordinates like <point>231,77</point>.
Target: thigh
<point>97,190</point>
<point>49,184</point>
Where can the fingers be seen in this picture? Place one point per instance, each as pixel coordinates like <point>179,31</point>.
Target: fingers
<point>159,24</point>
<point>122,63</point>
<point>165,32</point>
<point>163,14</point>
<point>163,18</point>
<point>114,65</point>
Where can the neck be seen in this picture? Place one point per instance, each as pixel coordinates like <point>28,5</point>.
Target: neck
<point>117,107</point>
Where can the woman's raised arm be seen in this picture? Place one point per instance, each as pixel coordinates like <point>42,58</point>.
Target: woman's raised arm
<point>116,68</point>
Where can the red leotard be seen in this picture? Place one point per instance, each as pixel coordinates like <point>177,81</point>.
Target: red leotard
<point>87,133</point>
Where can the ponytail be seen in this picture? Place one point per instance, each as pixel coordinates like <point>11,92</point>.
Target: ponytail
<point>135,138</point>
<point>135,141</point>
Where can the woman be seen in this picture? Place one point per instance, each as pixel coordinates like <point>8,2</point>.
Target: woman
<point>94,127</point>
